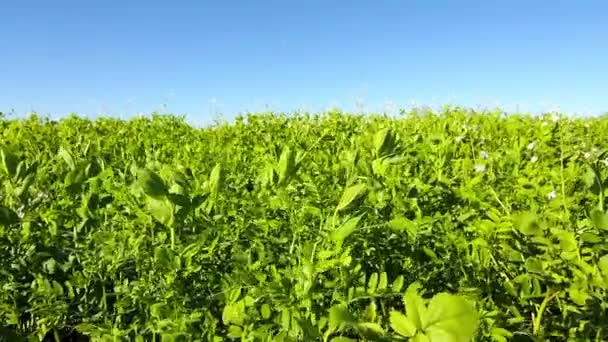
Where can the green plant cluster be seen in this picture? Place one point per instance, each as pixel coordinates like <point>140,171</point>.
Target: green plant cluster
<point>449,226</point>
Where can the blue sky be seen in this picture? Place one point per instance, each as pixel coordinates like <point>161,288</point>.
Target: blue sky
<point>207,59</point>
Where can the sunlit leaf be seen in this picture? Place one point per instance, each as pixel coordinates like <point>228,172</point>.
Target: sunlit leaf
<point>351,194</point>
<point>151,184</point>
<point>402,324</point>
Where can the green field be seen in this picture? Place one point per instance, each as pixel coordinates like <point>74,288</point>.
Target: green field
<point>450,226</point>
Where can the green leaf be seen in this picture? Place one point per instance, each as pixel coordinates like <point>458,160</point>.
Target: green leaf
<point>151,184</point>
<point>345,229</point>
<point>383,282</point>
<point>287,165</point>
<point>235,331</point>
<point>398,283</point>
<point>371,313</point>
<point>401,223</point>
<point>351,194</point>
<point>162,211</point>
<point>414,305</point>
<point>384,143</point>
<point>372,283</point>
<point>179,199</point>
<point>450,318</point>
<point>599,219</point>
<point>528,224</point>
<point>602,264</point>
<point>500,334</point>
<point>265,311</point>
<point>9,161</point>
<point>24,185</point>
<point>234,313</point>
<point>592,181</point>
<point>535,265</point>
<point>216,179</point>
<point>342,339</point>
<point>67,157</point>
<point>370,330</point>
<point>339,316</point>
<point>402,324</point>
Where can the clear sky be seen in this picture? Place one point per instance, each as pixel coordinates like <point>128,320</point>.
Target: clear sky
<point>210,58</point>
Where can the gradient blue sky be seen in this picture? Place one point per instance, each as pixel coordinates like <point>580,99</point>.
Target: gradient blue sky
<point>211,58</point>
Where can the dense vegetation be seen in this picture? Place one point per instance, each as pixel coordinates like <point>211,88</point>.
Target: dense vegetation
<point>431,227</point>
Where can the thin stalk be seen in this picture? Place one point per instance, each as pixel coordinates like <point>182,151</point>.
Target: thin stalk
<point>541,310</point>
<point>56,335</point>
<point>172,230</point>
<point>561,159</point>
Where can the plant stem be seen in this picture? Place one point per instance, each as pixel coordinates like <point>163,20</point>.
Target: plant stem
<point>541,310</point>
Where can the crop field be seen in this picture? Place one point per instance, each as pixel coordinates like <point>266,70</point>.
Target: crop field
<point>451,226</point>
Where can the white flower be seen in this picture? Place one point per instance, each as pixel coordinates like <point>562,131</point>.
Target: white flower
<point>479,168</point>
<point>587,155</point>
<point>587,125</point>
<point>534,159</point>
<point>531,146</point>
<point>459,139</point>
<point>545,123</point>
<point>484,155</point>
<point>555,118</point>
<point>552,195</point>
<point>605,162</point>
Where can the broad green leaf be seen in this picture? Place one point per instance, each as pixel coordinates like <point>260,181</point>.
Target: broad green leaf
<point>287,165</point>
<point>528,224</point>
<point>535,265</point>
<point>265,311</point>
<point>450,318</point>
<point>339,316</point>
<point>420,338</point>
<point>178,199</point>
<point>414,305</point>
<point>578,294</point>
<point>599,219</point>
<point>151,184</point>
<point>401,223</point>
<point>162,211</point>
<point>234,313</point>
<point>345,229</point>
<point>235,331</point>
<point>67,157</point>
<point>9,161</point>
<point>592,181</point>
<point>216,179</point>
<point>351,194</point>
<point>384,142</point>
<point>402,324</point>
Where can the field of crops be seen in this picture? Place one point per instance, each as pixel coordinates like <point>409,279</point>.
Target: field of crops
<point>451,226</point>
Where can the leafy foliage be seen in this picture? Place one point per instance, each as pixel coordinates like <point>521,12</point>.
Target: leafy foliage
<point>450,226</point>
